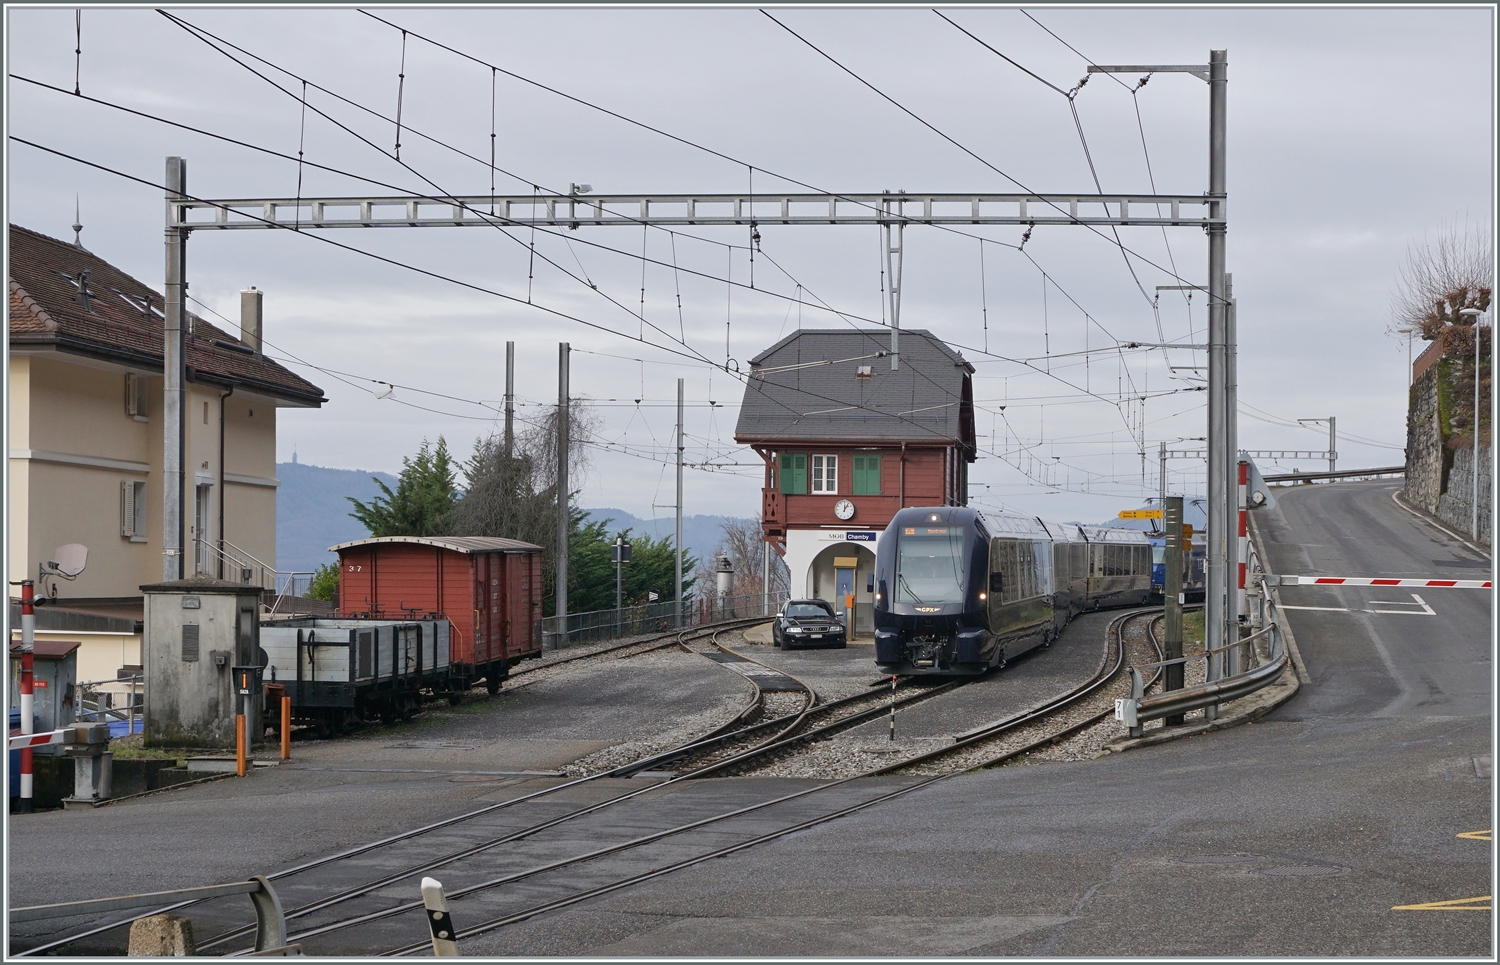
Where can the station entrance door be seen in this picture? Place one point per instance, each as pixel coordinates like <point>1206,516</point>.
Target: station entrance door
<point>843,583</point>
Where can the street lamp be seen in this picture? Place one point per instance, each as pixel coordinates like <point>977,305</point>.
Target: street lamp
<point>1474,314</point>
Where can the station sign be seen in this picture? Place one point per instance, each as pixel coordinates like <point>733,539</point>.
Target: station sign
<point>867,536</point>
<point>1140,514</point>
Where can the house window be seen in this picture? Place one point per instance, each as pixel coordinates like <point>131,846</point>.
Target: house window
<point>794,473</point>
<point>133,510</point>
<point>866,476</point>
<point>825,474</point>
<point>135,397</point>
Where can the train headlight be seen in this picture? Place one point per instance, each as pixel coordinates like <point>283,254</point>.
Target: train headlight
<point>981,596</point>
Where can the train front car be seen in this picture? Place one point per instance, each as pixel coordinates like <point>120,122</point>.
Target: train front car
<point>931,588</point>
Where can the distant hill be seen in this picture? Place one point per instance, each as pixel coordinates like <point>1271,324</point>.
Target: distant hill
<point>312,513</point>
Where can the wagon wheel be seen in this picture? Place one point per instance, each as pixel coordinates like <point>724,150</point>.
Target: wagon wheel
<point>455,698</point>
<point>492,682</point>
<point>409,706</point>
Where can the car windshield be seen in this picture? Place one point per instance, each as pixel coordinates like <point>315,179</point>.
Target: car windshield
<point>929,565</point>
<point>807,611</point>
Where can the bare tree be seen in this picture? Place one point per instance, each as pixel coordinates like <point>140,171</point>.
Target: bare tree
<point>1440,278</point>
<point>1438,281</point>
<point>742,543</point>
<point>514,495</point>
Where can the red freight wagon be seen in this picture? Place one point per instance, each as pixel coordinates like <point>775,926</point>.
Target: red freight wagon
<point>490,589</point>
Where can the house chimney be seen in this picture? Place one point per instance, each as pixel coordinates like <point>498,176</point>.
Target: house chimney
<point>250,318</point>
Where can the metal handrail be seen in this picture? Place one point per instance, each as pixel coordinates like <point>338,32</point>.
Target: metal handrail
<point>270,920</point>
<point>281,582</point>
<point>1137,708</point>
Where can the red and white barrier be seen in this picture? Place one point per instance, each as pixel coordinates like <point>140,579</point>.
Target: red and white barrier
<point>23,741</point>
<point>1377,581</point>
<point>28,647</point>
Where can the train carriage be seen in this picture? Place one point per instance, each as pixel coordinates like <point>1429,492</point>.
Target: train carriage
<point>489,588</point>
<point>340,672</point>
<point>958,592</point>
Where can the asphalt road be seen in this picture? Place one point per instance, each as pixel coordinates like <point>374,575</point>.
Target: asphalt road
<point>1380,651</point>
<point>1307,833</point>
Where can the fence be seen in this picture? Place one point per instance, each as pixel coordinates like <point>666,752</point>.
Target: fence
<point>1234,670</point>
<point>96,700</point>
<point>596,625</point>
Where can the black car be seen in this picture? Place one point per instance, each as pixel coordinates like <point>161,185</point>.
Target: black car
<point>808,623</point>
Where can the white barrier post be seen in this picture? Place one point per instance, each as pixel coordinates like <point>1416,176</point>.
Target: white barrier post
<point>438,919</point>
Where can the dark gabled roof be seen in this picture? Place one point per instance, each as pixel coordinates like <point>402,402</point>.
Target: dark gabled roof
<point>119,326</point>
<point>805,388</point>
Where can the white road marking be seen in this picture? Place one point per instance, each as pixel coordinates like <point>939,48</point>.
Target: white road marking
<point>1426,610</point>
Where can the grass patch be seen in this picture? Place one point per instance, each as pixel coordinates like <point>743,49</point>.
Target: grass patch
<point>1192,627</point>
<point>132,748</point>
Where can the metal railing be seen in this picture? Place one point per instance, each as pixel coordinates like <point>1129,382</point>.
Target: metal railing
<point>270,920</point>
<point>100,706</point>
<point>1262,657</point>
<point>598,625</point>
<point>242,567</point>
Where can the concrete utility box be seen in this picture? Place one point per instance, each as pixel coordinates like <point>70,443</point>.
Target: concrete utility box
<point>54,675</point>
<point>196,631</point>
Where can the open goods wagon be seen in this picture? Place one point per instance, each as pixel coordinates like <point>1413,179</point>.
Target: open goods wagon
<point>488,588</point>
<point>341,672</point>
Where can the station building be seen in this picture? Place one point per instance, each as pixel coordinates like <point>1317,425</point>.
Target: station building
<point>847,442</point>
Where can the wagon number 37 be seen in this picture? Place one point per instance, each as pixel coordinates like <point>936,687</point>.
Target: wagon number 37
<point>355,569</point>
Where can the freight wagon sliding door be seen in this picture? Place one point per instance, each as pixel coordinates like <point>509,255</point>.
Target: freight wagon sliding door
<point>356,580</point>
<point>455,578</point>
<point>489,600</point>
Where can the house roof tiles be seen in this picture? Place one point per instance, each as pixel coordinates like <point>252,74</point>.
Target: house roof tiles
<point>122,321</point>
<point>807,388</point>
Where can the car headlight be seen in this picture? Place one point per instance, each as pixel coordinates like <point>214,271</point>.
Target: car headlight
<point>793,629</point>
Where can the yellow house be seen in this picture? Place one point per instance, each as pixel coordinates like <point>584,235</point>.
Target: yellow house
<point>84,417</point>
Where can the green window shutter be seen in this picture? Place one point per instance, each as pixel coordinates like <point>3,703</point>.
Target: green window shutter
<point>866,476</point>
<point>794,473</point>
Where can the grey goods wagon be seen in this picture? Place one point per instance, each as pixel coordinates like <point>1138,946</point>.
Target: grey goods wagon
<point>344,672</point>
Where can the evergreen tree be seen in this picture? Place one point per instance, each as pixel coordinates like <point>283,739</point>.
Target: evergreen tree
<point>425,493</point>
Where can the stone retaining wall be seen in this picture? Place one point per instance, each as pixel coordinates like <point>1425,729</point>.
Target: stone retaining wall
<point>1455,506</point>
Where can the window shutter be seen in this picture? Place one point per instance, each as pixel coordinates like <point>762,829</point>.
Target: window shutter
<point>794,473</point>
<point>140,510</point>
<point>867,475</point>
<point>127,508</point>
<point>135,396</point>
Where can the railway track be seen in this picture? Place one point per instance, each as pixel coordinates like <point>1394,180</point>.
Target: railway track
<point>478,892</point>
<point>674,638</point>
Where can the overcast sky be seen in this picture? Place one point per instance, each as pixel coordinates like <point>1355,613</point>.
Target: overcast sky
<point>1352,133</point>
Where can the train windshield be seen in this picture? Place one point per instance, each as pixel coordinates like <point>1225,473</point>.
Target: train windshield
<point>930,565</point>
<point>1158,554</point>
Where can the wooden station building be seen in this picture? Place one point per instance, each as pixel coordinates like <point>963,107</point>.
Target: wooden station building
<point>847,442</point>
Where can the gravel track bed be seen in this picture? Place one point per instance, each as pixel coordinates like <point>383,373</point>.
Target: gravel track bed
<point>682,730</point>
<point>575,657</point>
<point>1084,745</point>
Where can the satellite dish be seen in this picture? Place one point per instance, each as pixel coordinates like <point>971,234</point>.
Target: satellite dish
<point>69,560</point>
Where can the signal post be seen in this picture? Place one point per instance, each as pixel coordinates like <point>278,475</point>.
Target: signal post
<point>1172,595</point>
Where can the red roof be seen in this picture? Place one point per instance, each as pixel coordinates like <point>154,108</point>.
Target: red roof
<point>47,649</point>
<point>122,322</point>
